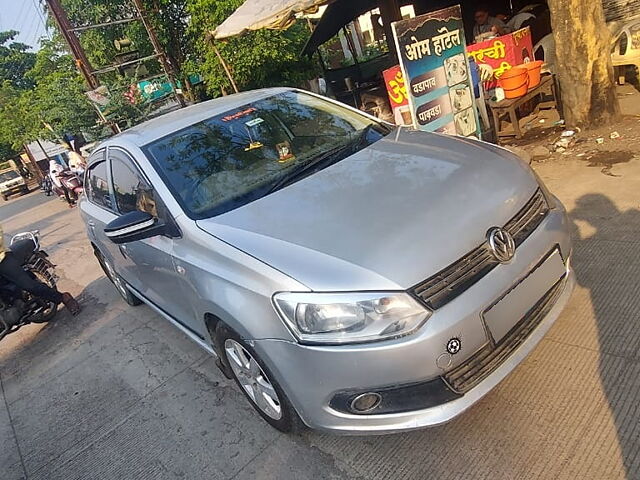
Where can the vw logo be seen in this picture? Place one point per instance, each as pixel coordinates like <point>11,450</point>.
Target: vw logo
<point>501,244</point>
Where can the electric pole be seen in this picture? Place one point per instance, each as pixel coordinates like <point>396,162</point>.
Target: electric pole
<point>73,42</point>
<point>68,32</point>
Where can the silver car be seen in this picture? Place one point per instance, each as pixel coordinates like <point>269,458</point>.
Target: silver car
<point>349,275</point>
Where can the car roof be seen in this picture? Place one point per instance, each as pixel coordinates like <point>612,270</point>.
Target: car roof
<point>163,125</point>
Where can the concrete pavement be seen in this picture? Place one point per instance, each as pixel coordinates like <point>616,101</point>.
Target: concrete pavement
<point>117,393</point>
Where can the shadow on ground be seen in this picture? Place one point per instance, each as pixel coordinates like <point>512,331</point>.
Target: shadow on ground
<point>607,263</point>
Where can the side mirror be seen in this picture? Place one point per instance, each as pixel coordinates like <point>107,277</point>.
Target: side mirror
<point>134,226</point>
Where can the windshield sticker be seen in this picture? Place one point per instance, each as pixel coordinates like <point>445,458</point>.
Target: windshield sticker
<point>284,152</point>
<point>254,122</point>
<point>240,114</point>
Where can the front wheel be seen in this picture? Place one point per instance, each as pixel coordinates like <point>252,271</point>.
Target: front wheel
<point>118,281</point>
<point>256,381</point>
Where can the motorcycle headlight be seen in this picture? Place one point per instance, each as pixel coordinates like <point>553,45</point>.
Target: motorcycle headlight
<point>337,318</point>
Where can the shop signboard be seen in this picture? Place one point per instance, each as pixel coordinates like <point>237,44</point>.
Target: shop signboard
<point>398,98</point>
<point>504,52</point>
<point>431,49</point>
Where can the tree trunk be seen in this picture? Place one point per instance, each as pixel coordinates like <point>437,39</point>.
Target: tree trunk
<point>583,62</point>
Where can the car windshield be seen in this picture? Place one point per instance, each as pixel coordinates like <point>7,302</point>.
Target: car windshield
<point>237,157</point>
<point>6,176</point>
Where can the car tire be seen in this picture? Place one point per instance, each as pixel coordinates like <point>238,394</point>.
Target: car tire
<point>117,280</point>
<point>261,388</point>
<point>5,197</point>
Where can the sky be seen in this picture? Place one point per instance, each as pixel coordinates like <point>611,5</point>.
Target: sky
<point>26,16</point>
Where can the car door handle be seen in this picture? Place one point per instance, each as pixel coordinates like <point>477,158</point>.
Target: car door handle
<point>180,269</point>
<point>91,223</point>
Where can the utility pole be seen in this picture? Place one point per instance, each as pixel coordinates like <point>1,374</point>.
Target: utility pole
<point>166,66</point>
<point>73,42</point>
<point>82,62</point>
<point>68,32</point>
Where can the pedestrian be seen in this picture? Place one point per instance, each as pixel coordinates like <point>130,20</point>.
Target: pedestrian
<point>54,172</point>
<point>11,269</point>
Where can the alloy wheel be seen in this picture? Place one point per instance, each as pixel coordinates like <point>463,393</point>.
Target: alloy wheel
<point>253,379</point>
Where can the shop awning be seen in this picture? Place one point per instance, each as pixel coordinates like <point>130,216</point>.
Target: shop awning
<point>272,14</point>
<point>336,16</point>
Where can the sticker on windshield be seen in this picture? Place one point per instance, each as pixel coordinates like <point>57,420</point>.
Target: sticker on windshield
<point>240,114</point>
<point>254,122</point>
<point>284,151</point>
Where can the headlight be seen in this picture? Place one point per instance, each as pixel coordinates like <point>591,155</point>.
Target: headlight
<point>349,317</point>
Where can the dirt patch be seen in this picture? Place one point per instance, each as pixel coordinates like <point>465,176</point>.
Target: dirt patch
<point>607,159</point>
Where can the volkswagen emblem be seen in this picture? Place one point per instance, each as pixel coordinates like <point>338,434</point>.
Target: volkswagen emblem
<point>501,244</point>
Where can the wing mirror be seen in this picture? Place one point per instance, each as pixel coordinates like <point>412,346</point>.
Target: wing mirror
<point>134,226</point>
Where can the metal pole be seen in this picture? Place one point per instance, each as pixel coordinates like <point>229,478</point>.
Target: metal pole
<point>226,68</point>
<point>168,69</point>
<point>82,62</point>
<point>72,41</point>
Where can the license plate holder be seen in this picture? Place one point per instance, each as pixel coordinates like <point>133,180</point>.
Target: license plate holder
<point>509,309</point>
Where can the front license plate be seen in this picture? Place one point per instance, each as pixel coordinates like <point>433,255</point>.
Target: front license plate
<point>511,308</point>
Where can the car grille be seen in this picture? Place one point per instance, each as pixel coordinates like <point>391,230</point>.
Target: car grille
<point>453,280</point>
<point>467,375</point>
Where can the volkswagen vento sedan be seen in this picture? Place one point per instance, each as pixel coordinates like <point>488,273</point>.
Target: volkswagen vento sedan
<point>348,275</point>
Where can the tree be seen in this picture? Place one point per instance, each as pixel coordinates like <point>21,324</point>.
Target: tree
<point>15,60</point>
<point>258,59</point>
<point>583,58</point>
<point>54,103</point>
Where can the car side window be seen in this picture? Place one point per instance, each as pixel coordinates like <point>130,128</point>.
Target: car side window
<point>98,186</point>
<point>131,190</point>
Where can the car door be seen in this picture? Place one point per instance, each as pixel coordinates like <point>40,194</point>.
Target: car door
<point>147,265</point>
<point>97,205</point>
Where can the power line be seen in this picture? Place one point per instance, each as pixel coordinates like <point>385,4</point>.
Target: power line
<point>36,5</point>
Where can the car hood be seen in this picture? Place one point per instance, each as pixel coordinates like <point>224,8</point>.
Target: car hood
<point>386,217</point>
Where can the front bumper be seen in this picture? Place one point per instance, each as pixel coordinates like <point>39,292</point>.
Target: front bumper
<point>14,189</point>
<point>313,375</point>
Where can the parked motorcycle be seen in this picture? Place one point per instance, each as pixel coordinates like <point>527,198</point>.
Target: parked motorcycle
<point>73,184</point>
<point>17,307</point>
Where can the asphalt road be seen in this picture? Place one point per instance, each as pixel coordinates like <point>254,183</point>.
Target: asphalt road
<point>22,203</point>
<point>118,393</point>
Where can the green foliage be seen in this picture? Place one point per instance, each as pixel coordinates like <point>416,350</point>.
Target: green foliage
<point>53,104</point>
<point>7,151</point>
<point>257,59</point>
<point>15,60</point>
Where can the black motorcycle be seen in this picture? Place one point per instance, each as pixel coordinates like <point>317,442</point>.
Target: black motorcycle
<point>17,307</point>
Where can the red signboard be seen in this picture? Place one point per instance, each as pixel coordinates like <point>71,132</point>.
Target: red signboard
<point>397,92</point>
<point>503,52</point>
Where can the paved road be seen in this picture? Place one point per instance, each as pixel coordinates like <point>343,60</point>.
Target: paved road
<point>116,393</point>
<point>16,204</point>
